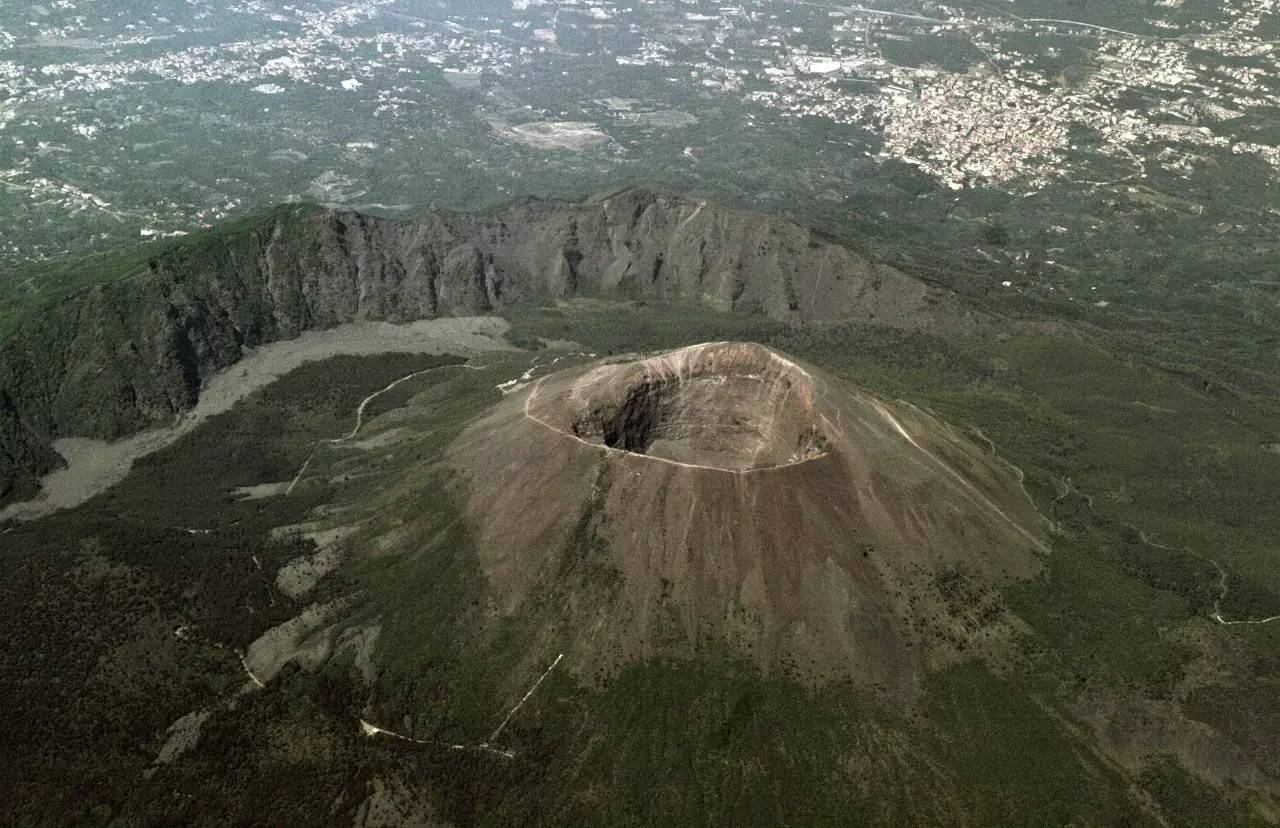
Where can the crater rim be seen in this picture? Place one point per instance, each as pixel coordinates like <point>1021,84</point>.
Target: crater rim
<point>737,407</point>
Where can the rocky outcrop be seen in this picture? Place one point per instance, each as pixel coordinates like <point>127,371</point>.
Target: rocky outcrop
<point>132,353</point>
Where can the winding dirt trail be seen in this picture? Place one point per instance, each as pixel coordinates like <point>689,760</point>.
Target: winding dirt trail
<point>373,730</point>
<point>245,664</point>
<point>355,429</point>
<point>967,486</point>
<point>485,746</point>
<point>1068,488</point>
<point>1223,589</point>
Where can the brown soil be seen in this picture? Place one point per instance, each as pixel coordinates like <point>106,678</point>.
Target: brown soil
<point>730,408</point>
<point>725,495</point>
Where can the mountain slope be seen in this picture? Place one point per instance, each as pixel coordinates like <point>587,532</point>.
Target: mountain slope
<point>722,495</point>
<point>134,352</point>
<point>366,602</point>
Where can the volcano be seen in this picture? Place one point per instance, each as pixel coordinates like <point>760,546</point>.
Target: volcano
<point>725,496</point>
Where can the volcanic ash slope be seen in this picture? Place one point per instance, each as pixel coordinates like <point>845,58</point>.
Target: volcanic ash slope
<point>723,495</point>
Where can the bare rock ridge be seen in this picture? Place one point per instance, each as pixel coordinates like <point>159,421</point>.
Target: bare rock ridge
<point>134,352</point>
<point>724,495</point>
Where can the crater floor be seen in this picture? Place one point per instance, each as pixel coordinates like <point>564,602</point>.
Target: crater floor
<point>736,406</point>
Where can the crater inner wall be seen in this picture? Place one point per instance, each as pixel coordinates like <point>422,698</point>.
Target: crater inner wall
<point>728,405</point>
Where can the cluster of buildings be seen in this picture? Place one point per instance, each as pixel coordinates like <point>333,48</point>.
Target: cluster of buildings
<point>975,127</point>
<point>1010,117</point>
<point>1004,120</point>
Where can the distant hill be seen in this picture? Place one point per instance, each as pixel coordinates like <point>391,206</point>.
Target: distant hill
<point>131,353</point>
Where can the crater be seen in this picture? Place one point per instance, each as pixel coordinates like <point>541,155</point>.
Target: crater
<point>820,513</point>
<point>734,406</point>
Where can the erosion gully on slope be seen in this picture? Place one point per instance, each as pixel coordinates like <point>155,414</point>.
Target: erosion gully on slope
<point>255,683</point>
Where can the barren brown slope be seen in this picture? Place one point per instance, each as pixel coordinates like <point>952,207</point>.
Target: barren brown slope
<point>724,495</point>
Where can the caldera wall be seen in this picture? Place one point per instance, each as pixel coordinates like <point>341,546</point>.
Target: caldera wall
<point>135,351</point>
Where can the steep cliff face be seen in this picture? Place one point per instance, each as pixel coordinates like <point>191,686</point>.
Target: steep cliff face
<point>133,353</point>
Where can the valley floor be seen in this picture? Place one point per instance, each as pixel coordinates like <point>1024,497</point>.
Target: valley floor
<point>93,466</point>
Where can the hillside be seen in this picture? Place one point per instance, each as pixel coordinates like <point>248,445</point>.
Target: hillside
<point>134,352</point>
<point>737,499</point>
<point>615,559</point>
